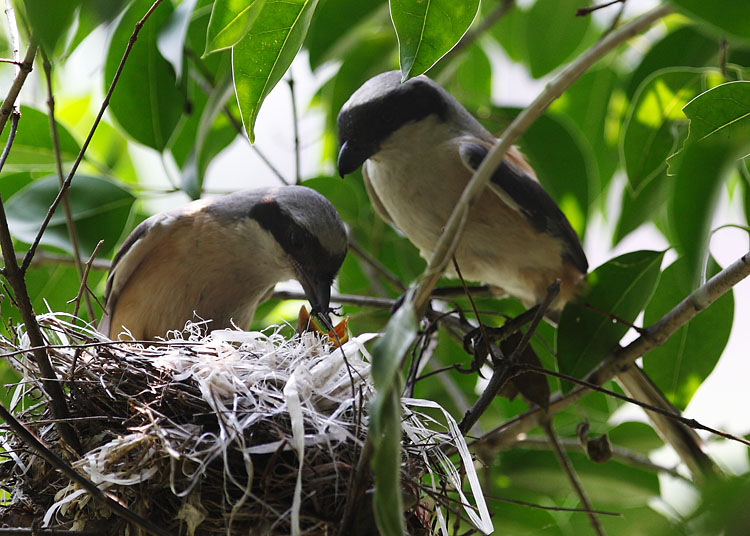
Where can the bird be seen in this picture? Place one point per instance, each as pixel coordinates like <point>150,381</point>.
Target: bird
<point>218,258</point>
<point>418,148</point>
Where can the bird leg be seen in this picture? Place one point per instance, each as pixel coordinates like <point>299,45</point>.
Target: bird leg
<point>475,342</point>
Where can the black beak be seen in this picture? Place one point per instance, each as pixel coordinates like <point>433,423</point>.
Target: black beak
<point>353,155</point>
<point>318,293</point>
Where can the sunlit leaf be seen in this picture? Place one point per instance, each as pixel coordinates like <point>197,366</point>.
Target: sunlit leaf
<point>230,22</point>
<point>686,46</point>
<point>428,29</point>
<point>719,135</point>
<point>680,365</point>
<point>620,287</point>
<point>261,58</point>
<point>147,103</point>
<point>655,122</point>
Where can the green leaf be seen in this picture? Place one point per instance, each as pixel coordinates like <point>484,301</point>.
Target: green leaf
<point>261,58</point>
<point>230,22</point>
<point>553,33</point>
<point>648,204</point>
<point>686,46</point>
<point>100,212</point>
<point>680,365</point>
<point>333,30</point>
<point>171,40</point>
<point>561,158</point>
<point>214,132</point>
<point>588,104</point>
<point>730,16</point>
<point>652,127</point>
<point>32,148</point>
<point>50,20</point>
<point>146,103</point>
<point>385,420</point>
<point>719,135</point>
<point>620,287</point>
<point>635,436</point>
<point>428,29</point>
<point>510,32</point>
<point>471,79</point>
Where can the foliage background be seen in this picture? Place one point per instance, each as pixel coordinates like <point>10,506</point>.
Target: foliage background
<point>174,131</point>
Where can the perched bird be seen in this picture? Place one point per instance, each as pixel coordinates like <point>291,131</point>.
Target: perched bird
<point>418,148</point>
<point>218,258</point>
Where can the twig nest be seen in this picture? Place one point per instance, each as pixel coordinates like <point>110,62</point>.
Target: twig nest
<point>233,433</point>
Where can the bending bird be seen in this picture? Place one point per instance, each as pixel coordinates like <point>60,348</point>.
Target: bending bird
<point>217,259</point>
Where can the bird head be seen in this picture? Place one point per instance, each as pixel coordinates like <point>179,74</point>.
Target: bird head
<point>312,236</point>
<point>380,107</point>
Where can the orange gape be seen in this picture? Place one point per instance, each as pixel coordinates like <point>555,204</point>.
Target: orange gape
<point>338,336</point>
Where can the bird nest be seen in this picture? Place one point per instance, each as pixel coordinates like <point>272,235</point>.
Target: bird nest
<point>231,433</point>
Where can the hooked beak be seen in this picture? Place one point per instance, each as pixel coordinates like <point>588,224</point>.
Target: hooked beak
<point>352,155</point>
<point>318,293</point>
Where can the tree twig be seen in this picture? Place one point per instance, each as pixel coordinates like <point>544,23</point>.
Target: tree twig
<point>655,335</point>
<point>582,12</point>
<point>15,277</point>
<point>97,494</point>
<point>503,373</point>
<point>570,472</point>
<point>446,246</point>
<point>83,287</point>
<point>295,127</point>
<point>69,223</point>
<point>374,263</point>
<point>84,147</point>
<point>618,453</point>
<point>10,100</point>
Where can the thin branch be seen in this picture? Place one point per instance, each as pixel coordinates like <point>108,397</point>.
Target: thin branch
<point>69,223</point>
<point>374,263</point>
<point>620,454</point>
<point>97,494</point>
<point>562,458</point>
<point>502,374</point>
<point>655,335</point>
<point>23,71</point>
<point>344,299</point>
<point>84,147</point>
<point>582,12</point>
<point>295,126</point>
<point>83,287</point>
<point>17,63</point>
<point>446,246</point>
<point>44,258</point>
<point>15,277</point>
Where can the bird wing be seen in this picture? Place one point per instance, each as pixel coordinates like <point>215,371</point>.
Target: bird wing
<point>137,246</point>
<point>376,202</point>
<point>514,183</point>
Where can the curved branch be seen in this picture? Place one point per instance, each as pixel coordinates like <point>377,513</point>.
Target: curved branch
<point>452,232</point>
<point>653,336</point>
